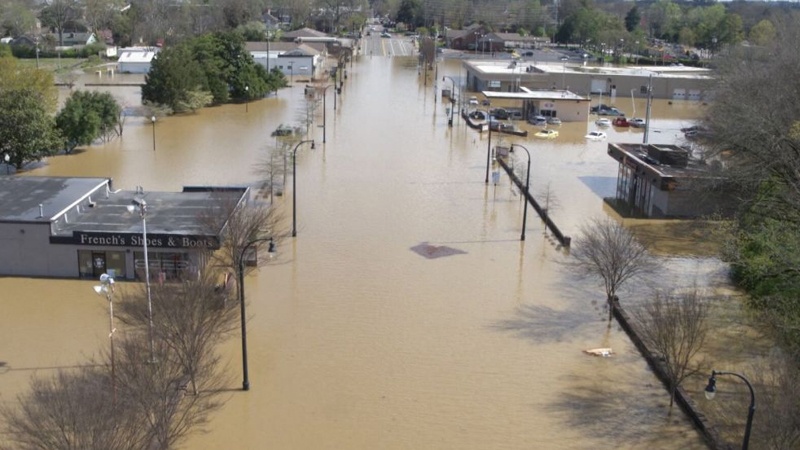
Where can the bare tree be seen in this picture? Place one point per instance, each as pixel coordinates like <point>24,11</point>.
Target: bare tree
<point>155,392</point>
<point>239,224</point>
<point>674,327</point>
<point>609,251</point>
<point>778,384</point>
<point>272,169</point>
<point>189,319</point>
<point>68,410</point>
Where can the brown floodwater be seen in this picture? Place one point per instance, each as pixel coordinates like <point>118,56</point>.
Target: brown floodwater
<point>355,340</point>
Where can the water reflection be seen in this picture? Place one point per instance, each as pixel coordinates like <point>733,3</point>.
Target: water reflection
<point>355,340</point>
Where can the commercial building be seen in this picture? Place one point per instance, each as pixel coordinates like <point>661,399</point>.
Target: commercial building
<point>566,105</point>
<point>666,82</point>
<point>81,228</point>
<point>661,181</point>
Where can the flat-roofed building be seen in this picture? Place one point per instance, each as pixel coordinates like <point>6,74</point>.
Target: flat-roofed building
<point>667,82</point>
<point>665,181</point>
<point>81,227</point>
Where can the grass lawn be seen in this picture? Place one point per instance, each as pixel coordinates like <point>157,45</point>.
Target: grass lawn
<point>55,64</point>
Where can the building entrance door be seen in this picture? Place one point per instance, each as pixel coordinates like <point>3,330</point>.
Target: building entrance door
<point>98,263</point>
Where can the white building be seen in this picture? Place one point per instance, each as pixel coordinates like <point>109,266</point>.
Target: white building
<point>136,59</point>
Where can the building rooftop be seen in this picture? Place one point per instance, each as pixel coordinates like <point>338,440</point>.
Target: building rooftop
<point>20,197</point>
<point>529,94</point>
<point>172,213</point>
<point>179,213</point>
<point>643,156</point>
<point>523,68</point>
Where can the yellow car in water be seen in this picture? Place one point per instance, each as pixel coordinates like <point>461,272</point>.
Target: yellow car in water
<point>546,134</point>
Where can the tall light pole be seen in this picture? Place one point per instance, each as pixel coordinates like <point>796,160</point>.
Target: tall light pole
<point>711,390</point>
<point>527,190</point>
<point>153,121</point>
<point>247,99</point>
<point>106,289</point>
<point>294,184</point>
<point>291,72</point>
<point>7,160</point>
<point>271,250</point>
<point>452,100</point>
<point>142,206</point>
<point>489,145</point>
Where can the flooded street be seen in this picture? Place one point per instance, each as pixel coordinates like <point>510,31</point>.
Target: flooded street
<point>355,340</point>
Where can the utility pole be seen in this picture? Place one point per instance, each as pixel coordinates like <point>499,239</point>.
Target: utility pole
<point>649,102</point>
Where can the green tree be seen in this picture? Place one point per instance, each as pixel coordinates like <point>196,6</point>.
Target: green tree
<point>663,18</point>
<point>761,163</point>
<point>27,131</point>
<point>15,76</point>
<point>762,33</point>
<point>409,13</point>
<point>632,19</point>
<point>60,15</point>
<point>173,75</point>
<point>87,116</point>
<point>16,18</point>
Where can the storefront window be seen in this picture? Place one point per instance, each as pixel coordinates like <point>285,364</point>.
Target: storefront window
<point>93,263</point>
<point>163,266</point>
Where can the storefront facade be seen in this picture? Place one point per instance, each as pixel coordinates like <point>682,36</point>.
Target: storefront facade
<point>81,228</point>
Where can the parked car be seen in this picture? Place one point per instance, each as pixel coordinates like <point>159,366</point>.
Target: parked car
<point>605,110</point>
<point>595,136</point>
<point>603,122</point>
<point>385,35</point>
<point>637,123</point>
<point>473,101</point>
<point>499,113</point>
<point>610,112</point>
<point>546,134</point>
<point>554,121</point>
<point>538,120</point>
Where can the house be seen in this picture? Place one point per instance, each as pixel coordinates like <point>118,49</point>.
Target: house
<point>136,59</point>
<point>466,39</point>
<point>74,40</point>
<point>665,181</point>
<point>307,60</point>
<point>23,41</point>
<point>292,36</point>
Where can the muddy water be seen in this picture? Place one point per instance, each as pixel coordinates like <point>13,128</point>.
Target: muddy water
<point>355,340</point>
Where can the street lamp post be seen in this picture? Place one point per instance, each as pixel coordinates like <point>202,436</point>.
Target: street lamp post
<point>7,159</point>
<point>271,250</point>
<point>489,145</point>
<point>452,100</point>
<point>153,121</point>
<point>294,185</point>
<point>142,206</point>
<point>291,72</point>
<point>247,99</point>
<point>711,390</point>
<point>106,288</point>
<point>527,190</point>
